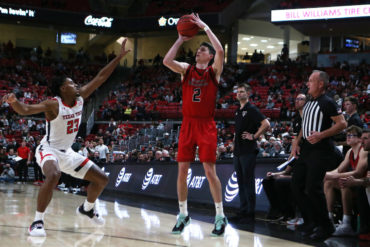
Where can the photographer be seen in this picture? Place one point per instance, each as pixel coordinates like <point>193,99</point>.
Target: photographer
<point>8,174</point>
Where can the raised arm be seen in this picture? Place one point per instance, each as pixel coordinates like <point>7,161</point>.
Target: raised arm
<point>49,107</point>
<point>104,73</point>
<point>218,63</point>
<point>169,60</point>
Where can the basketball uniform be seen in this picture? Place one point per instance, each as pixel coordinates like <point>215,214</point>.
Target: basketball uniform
<point>198,128</point>
<point>60,134</point>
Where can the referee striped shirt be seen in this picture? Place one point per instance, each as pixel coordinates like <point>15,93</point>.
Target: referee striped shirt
<point>317,115</point>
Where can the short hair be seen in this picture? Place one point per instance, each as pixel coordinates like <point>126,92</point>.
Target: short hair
<point>352,99</point>
<point>355,129</point>
<point>323,76</point>
<point>56,83</point>
<point>210,47</point>
<point>246,87</point>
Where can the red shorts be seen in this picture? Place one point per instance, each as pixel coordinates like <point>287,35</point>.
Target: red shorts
<point>201,133</point>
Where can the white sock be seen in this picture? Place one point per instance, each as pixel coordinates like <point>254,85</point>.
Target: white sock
<point>331,216</point>
<point>88,205</point>
<point>183,206</point>
<point>39,216</point>
<point>219,209</point>
<point>346,219</point>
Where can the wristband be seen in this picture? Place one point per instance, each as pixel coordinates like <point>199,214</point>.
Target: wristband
<point>206,28</point>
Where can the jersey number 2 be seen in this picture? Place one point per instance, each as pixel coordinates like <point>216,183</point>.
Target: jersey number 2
<point>196,94</point>
<point>72,126</point>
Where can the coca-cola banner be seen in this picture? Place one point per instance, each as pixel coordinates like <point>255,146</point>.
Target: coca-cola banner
<point>98,22</point>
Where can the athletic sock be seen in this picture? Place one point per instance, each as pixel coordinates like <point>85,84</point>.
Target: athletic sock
<point>183,206</point>
<point>347,219</point>
<point>219,209</point>
<point>88,205</point>
<point>39,216</point>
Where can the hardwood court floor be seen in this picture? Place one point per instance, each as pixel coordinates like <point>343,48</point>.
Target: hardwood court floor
<point>125,225</point>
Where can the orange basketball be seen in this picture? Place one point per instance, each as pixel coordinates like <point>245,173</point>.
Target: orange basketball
<point>185,27</point>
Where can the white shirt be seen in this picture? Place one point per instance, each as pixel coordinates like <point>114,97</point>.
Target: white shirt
<point>103,151</point>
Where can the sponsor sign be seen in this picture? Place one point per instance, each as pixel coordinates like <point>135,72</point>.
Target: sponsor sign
<point>151,178</point>
<point>232,188</point>
<point>17,12</point>
<point>160,180</point>
<point>98,22</point>
<point>123,177</point>
<point>171,21</point>
<point>322,13</point>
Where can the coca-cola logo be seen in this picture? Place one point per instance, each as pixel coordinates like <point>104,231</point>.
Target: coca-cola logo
<point>98,22</point>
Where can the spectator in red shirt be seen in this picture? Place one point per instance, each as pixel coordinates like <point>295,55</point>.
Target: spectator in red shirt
<point>25,153</point>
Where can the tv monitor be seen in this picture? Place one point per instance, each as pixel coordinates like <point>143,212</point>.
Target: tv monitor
<point>68,38</point>
<point>352,43</point>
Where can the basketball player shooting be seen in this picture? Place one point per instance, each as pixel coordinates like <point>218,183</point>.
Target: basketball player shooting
<point>54,154</point>
<point>199,90</point>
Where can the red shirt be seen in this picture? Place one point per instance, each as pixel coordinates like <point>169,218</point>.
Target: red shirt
<point>199,92</point>
<point>23,152</point>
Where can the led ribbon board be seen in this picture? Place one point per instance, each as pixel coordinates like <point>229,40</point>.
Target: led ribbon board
<point>322,13</point>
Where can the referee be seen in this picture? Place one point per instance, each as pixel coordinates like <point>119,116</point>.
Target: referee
<point>316,156</point>
<point>250,124</point>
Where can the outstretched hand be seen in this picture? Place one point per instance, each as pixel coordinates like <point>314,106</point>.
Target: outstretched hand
<point>9,98</point>
<point>123,48</point>
<point>196,20</point>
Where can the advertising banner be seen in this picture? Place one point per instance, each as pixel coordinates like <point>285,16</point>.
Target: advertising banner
<point>160,180</point>
<point>321,13</point>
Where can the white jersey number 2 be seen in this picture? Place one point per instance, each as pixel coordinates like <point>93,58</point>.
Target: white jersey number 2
<point>72,126</point>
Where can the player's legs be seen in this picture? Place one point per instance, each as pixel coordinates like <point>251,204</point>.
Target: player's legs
<point>345,228</point>
<point>329,190</point>
<point>182,188</point>
<point>52,174</point>
<point>183,218</point>
<point>214,181</point>
<point>216,191</point>
<point>98,180</point>
<point>346,200</point>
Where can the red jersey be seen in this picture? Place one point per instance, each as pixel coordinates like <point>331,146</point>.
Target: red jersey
<point>199,91</point>
<point>352,159</point>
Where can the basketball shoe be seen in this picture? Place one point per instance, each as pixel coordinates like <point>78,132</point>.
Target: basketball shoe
<point>92,214</point>
<point>182,221</point>
<point>220,224</point>
<point>36,229</point>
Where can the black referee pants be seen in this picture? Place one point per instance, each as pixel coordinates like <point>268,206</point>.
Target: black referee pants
<point>307,184</point>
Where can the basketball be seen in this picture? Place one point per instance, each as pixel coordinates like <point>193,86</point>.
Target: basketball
<point>185,27</point>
